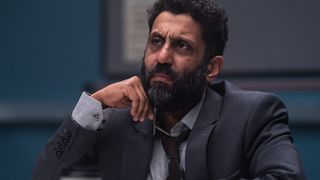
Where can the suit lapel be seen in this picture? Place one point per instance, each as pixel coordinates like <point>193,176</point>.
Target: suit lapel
<point>137,152</point>
<point>139,142</point>
<point>196,166</point>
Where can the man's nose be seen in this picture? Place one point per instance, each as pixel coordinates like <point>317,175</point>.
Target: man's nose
<point>165,54</point>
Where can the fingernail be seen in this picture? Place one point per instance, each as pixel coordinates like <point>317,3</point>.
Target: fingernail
<point>135,118</point>
<point>151,117</point>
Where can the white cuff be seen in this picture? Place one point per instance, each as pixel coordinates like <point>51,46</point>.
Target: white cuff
<point>88,112</point>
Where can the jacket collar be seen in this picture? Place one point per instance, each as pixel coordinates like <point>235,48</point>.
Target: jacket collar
<point>196,166</point>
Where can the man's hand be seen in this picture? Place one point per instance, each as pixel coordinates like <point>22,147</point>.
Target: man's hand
<point>127,93</point>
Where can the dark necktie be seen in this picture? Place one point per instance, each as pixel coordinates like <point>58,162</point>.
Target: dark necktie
<point>171,147</point>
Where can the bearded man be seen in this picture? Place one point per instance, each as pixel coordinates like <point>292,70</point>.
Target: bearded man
<point>172,122</point>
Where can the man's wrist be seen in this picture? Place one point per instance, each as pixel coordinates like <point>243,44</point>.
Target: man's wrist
<point>88,112</point>
<point>97,97</point>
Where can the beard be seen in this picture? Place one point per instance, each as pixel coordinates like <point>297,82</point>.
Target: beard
<point>185,92</point>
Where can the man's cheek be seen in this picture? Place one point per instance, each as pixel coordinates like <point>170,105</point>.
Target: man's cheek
<point>150,61</point>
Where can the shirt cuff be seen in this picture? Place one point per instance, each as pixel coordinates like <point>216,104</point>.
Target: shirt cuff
<point>88,112</point>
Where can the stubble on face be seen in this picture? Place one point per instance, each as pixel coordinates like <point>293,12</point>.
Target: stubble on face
<point>185,92</point>
<point>173,71</point>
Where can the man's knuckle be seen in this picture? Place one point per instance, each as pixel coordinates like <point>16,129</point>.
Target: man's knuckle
<point>136,99</point>
<point>135,79</point>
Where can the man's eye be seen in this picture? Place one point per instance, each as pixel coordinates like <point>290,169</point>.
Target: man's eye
<point>182,45</point>
<point>157,41</point>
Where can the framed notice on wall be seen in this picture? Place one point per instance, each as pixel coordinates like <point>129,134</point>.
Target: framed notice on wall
<point>260,43</point>
<point>125,36</point>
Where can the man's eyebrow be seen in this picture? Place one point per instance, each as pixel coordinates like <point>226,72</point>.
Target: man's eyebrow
<point>181,38</point>
<point>155,33</point>
<point>174,37</point>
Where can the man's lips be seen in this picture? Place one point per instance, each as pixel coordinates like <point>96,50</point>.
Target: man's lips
<point>161,77</point>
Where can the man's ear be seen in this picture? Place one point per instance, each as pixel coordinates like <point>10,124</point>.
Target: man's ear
<point>214,67</point>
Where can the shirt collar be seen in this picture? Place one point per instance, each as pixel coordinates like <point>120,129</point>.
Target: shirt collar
<point>187,122</point>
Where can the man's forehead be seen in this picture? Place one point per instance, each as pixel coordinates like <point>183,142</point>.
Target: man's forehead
<point>173,25</point>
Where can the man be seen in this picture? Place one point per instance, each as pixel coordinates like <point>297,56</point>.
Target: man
<point>126,128</point>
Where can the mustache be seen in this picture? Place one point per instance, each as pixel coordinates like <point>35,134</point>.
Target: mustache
<point>164,69</point>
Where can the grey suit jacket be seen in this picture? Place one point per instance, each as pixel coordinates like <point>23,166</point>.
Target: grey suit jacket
<point>238,134</point>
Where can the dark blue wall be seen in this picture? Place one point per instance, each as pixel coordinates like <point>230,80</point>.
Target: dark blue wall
<point>49,50</point>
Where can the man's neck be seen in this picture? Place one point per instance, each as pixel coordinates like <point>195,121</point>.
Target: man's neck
<point>168,120</point>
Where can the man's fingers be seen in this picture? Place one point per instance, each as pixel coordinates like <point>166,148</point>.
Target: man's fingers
<point>151,115</point>
<point>138,103</point>
<point>148,111</point>
<point>139,112</point>
<point>130,94</point>
<point>134,94</point>
<point>142,105</point>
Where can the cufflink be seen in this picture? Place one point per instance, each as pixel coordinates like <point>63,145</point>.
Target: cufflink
<point>96,116</point>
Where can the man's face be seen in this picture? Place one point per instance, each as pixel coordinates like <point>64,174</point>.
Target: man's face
<point>173,71</point>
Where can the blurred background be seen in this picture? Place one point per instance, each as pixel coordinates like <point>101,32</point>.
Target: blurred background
<point>51,51</point>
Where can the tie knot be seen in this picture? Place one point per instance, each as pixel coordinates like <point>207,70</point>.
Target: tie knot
<point>171,144</point>
<point>171,147</point>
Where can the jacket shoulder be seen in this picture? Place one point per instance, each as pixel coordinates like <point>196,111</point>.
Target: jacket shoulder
<point>230,91</point>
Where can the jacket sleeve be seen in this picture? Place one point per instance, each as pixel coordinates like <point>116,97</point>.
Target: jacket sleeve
<point>268,146</point>
<point>69,144</point>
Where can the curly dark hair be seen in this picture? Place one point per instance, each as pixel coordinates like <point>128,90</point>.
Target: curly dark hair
<point>207,13</point>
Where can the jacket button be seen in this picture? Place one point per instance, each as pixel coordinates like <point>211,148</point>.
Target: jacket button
<point>68,135</point>
<point>96,116</point>
<point>65,141</point>
<point>61,147</point>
